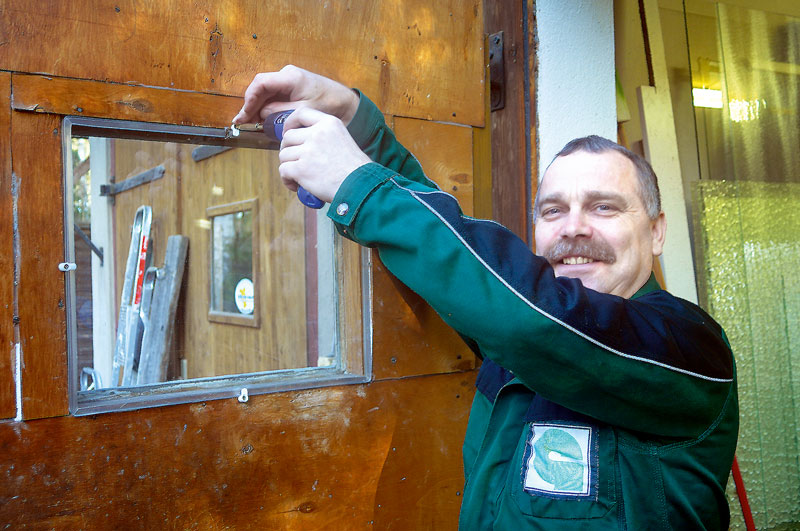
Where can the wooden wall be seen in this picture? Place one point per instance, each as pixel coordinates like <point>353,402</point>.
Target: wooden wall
<point>381,455</point>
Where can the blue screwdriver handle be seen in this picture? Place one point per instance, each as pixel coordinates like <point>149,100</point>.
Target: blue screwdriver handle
<point>273,128</point>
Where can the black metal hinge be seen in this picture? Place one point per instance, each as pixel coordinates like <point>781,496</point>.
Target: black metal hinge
<point>497,72</point>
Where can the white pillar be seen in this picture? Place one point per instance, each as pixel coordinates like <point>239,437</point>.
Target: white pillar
<point>575,84</point>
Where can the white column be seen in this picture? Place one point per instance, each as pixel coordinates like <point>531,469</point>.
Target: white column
<point>104,322</point>
<point>575,87</point>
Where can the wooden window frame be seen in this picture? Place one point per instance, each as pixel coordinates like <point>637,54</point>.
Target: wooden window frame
<point>216,316</point>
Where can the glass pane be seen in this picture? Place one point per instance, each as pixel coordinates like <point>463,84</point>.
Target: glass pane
<point>747,235</point>
<point>232,288</point>
<point>256,291</point>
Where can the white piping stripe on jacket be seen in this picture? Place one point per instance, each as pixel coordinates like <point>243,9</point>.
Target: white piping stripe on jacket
<point>416,195</point>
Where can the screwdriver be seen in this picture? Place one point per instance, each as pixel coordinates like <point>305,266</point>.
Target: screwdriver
<point>273,128</point>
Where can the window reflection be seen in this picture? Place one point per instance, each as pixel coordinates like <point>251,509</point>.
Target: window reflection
<point>233,275</point>
<point>261,291</point>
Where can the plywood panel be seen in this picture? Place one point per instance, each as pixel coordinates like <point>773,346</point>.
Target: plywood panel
<point>7,341</point>
<point>36,162</point>
<point>402,317</point>
<point>482,156</point>
<point>409,337</point>
<point>414,58</point>
<point>372,456</point>
<point>445,152</point>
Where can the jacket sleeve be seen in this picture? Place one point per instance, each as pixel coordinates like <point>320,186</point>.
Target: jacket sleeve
<point>368,128</point>
<point>655,364</point>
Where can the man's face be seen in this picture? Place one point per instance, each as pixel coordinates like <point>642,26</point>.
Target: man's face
<point>592,223</point>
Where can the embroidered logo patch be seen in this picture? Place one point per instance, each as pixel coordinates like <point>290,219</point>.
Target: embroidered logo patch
<point>558,460</point>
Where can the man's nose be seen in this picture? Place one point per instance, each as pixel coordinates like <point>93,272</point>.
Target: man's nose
<point>576,225</point>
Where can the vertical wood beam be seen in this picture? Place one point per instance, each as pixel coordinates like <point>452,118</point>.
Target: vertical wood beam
<point>41,286</point>
<point>531,123</point>
<point>510,148</point>
<point>7,339</point>
<point>482,151</point>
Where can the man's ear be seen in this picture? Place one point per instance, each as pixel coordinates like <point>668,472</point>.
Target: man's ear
<point>658,229</point>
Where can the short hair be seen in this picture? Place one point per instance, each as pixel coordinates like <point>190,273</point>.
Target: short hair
<point>648,182</point>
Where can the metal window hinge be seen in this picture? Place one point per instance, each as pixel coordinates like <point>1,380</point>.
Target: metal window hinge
<point>497,72</point>
<point>131,182</point>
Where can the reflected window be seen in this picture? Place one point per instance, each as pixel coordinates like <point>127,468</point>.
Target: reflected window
<point>232,267</point>
<point>198,273</point>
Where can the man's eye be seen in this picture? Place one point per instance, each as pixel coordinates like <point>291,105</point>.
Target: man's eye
<point>550,211</point>
<point>604,208</point>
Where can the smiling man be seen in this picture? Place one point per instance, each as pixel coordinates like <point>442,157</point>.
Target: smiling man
<point>598,216</point>
<point>603,402</point>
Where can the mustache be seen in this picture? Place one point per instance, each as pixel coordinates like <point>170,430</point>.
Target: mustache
<point>597,250</point>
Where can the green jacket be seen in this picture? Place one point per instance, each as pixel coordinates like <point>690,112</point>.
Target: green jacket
<point>592,411</point>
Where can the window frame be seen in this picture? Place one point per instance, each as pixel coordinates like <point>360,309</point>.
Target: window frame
<point>223,317</point>
<point>353,274</point>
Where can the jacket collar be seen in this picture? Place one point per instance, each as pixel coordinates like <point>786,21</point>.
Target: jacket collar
<point>649,286</point>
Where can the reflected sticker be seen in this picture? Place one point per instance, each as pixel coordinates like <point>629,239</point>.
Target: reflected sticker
<point>244,296</point>
<point>557,460</point>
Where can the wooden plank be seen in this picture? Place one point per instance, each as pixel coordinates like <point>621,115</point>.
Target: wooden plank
<point>7,337</point>
<point>122,102</point>
<point>41,288</point>
<point>531,120</point>
<point>661,150</point>
<point>511,180</point>
<point>363,456</point>
<point>157,337</point>
<point>482,155</point>
<point>414,58</point>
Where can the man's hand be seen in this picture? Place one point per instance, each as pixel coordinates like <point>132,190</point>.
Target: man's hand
<point>294,88</point>
<point>318,153</point>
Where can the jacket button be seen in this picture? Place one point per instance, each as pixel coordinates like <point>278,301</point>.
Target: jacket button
<point>342,209</point>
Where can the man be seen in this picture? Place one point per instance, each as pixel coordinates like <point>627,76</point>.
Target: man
<point>603,402</point>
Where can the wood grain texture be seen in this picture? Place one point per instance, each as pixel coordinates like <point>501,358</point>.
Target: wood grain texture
<point>510,177</point>
<point>532,127</point>
<point>426,344</point>
<point>43,94</point>
<point>409,337</point>
<point>414,58</point>
<point>372,456</point>
<point>482,156</point>
<point>445,152</point>
<point>383,455</point>
<point>36,162</point>
<point>7,340</point>
<point>279,342</point>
